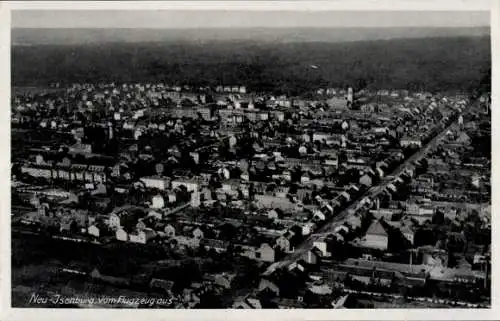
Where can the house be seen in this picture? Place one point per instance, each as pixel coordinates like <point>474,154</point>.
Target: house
<point>142,236</point>
<point>224,280</point>
<point>157,202</point>
<point>141,225</point>
<point>479,259</point>
<point>319,289</point>
<point>308,228</point>
<point>408,233</point>
<point>121,235</point>
<point>366,180</point>
<point>164,286</point>
<point>169,230</point>
<point>153,215</point>
<point>198,233</point>
<point>299,268</point>
<point>93,230</point>
<point>193,186</point>
<point>322,244</point>
<point>287,175</point>
<point>319,216</point>
<point>66,225</point>
<point>268,288</point>
<point>191,297</point>
<point>313,256</point>
<point>284,242</point>
<point>275,214</point>
<point>305,178</point>
<point>264,253</point>
<point>376,236</point>
<point>340,303</point>
<point>247,303</point>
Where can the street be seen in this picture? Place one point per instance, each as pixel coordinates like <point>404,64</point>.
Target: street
<point>338,219</point>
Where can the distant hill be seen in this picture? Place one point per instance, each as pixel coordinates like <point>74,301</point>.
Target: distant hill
<point>283,35</point>
<point>442,63</point>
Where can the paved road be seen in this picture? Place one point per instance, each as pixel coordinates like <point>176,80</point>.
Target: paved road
<point>339,219</point>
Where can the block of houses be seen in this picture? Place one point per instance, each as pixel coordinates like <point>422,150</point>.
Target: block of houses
<point>217,245</point>
<point>156,182</point>
<point>408,141</point>
<point>385,213</point>
<point>270,201</point>
<point>187,241</point>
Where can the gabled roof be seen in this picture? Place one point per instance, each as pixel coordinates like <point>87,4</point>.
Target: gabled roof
<point>376,228</point>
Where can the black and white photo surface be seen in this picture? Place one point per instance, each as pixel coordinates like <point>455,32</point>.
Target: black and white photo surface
<point>250,159</point>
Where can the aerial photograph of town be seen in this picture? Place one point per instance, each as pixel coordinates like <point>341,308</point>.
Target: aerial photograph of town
<point>250,160</point>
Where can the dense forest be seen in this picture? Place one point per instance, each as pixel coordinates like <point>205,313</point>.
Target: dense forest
<point>433,64</point>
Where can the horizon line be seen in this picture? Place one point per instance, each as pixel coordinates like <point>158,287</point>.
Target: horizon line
<point>261,27</point>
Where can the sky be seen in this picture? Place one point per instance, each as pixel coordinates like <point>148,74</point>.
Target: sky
<point>195,19</point>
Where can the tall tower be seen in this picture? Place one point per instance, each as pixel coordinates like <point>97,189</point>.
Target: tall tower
<point>461,121</point>
<point>350,96</point>
<point>110,131</point>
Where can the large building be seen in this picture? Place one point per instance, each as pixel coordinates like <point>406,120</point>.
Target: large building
<point>376,237</point>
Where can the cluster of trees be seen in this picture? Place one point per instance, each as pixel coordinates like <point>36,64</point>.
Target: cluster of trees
<point>433,64</point>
